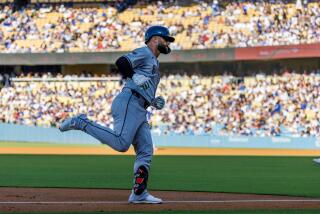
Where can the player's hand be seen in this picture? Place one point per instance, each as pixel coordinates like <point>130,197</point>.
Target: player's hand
<point>141,80</point>
<point>158,102</point>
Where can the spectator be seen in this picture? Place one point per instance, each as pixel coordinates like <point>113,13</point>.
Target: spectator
<point>261,105</point>
<point>57,28</point>
<point>1,81</point>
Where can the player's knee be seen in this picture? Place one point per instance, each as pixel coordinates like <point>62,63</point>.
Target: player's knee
<point>124,146</point>
<point>123,149</point>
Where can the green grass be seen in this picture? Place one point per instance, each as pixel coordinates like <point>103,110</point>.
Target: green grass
<point>262,175</point>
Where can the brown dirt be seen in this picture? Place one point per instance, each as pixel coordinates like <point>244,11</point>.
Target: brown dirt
<point>85,200</point>
<point>104,150</point>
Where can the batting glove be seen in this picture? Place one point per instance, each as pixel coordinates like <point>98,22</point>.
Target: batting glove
<point>142,81</point>
<point>158,102</point>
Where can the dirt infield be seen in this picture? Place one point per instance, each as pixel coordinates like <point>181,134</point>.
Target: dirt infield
<point>85,200</point>
<point>104,150</point>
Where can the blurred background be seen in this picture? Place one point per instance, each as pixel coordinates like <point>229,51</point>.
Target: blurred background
<point>242,74</point>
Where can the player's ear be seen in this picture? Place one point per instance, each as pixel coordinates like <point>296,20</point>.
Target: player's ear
<point>155,39</point>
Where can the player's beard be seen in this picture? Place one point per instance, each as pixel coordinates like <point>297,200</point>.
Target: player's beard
<point>164,49</point>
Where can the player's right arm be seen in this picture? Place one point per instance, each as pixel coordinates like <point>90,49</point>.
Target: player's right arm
<point>124,67</point>
<point>129,64</point>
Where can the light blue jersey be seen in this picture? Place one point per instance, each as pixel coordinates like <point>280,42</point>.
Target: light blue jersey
<point>145,63</point>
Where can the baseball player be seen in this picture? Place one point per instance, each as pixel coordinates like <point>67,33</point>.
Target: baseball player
<point>140,69</point>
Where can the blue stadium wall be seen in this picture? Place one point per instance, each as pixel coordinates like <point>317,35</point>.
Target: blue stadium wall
<point>21,133</point>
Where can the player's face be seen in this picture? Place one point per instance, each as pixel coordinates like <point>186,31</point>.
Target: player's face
<point>163,45</point>
<point>163,41</point>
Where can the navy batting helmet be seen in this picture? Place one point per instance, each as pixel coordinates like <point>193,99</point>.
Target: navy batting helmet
<point>158,31</point>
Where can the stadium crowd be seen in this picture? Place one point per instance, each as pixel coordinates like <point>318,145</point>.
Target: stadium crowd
<point>261,105</point>
<point>58,28</point>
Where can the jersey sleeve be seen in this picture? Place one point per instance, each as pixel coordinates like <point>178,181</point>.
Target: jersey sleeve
<point>136,58</point>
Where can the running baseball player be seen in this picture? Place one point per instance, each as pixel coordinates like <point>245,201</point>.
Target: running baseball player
<point>140,69</point>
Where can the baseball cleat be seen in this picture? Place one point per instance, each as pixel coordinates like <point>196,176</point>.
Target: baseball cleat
<point>78,122</point>
<point>148,199</point>
<point>316,160</point>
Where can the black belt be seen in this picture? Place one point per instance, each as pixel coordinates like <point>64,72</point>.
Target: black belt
<point>136,94</point>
